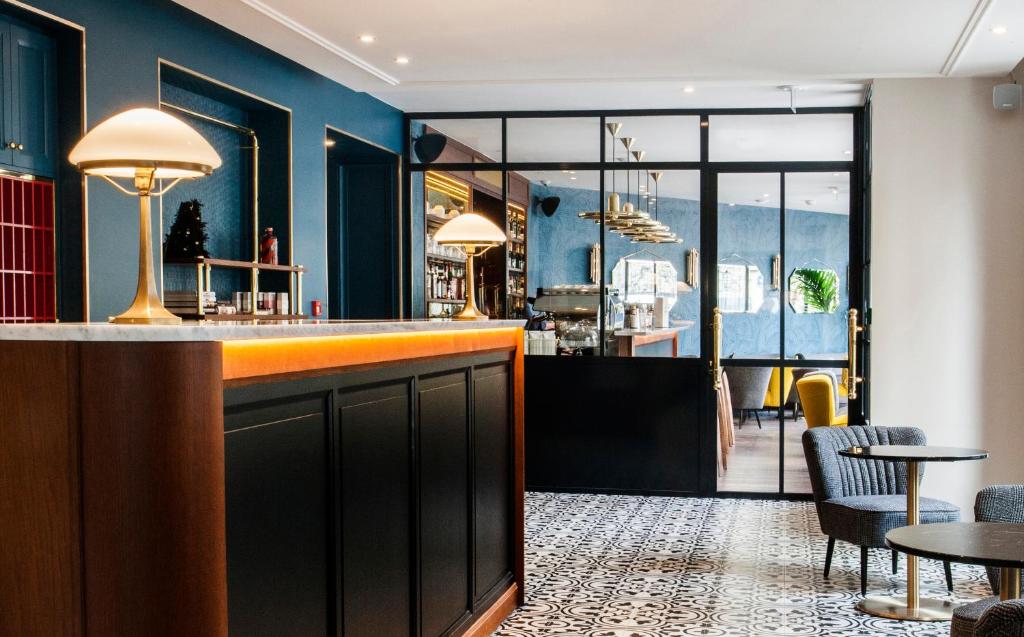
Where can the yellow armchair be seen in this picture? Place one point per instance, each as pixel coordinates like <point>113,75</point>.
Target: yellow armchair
<point>773,398</point>
<point>818,399</point>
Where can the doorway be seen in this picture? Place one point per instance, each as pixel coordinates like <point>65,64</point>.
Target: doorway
<point>784,317</point>
<point>362,228</point>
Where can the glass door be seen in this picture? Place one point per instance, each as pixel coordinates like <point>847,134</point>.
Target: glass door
<point>783,319</point>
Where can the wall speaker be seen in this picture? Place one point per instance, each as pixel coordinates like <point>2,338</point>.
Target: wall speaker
<point>429,146</point>
<point>1006,97</point>
<point>548,205</point>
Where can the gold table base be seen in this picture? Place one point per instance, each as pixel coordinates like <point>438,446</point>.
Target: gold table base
<point>928,610</point>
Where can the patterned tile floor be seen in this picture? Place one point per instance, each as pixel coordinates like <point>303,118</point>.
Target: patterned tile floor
<point>628,566</point>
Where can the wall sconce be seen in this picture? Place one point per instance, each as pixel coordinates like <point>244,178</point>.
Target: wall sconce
<point>595,263</point>
<point>776,271</point>
<point>693,268</point>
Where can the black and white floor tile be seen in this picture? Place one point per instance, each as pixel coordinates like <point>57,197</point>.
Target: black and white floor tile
<point>629,566</point>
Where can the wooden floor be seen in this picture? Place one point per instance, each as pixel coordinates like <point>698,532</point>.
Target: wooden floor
<point>754,461</point>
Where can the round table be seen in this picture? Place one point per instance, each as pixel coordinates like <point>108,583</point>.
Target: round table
<point>998,544</point>
<point>913,607</point>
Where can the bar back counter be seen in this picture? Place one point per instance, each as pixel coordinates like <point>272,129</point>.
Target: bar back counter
<point>306,479</point>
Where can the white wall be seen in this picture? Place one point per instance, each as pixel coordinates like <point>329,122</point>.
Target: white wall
<point>948,276</point>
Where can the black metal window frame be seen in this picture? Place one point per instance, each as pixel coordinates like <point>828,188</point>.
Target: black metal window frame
<point>858,168</point>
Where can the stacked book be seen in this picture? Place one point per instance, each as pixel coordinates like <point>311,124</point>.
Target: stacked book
<point>181,301</point>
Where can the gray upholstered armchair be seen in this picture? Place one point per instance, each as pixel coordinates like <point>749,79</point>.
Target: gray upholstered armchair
<point>1003,619</point>
<point>748,386</point>
<point>998,503</point>
<point>859,501</point>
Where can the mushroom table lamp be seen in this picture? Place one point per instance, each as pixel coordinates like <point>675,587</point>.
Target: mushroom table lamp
<point>475,234</point>
<point>143,145</point>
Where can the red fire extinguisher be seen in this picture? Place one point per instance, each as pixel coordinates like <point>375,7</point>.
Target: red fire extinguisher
<point>318,309</point>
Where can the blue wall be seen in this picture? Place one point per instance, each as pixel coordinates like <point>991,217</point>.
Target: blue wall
<point>123,43</point>
<point>559,253</point>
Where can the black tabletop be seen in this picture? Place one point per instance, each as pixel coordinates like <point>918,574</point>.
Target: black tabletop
<point>985,543</point>
<point>922,453</point>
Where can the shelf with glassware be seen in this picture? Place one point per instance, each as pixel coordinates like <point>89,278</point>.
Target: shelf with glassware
<point>501,271</point>
<point>445,266</point>
<point>244,306</point>
<point>516,249</point>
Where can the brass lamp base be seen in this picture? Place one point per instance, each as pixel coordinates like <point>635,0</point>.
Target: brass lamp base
<point>146,309</point>
<point>470,312</point>
<point>928,610</point>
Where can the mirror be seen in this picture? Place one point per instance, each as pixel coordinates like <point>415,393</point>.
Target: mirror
<point>642,279</point>
<point>740,288</point>
<point>814,291</point>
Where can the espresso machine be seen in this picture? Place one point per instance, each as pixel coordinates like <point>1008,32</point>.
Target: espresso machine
<point>574,309</point>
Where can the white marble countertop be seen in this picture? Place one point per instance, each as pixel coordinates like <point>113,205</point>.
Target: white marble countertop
<point>226,331</point>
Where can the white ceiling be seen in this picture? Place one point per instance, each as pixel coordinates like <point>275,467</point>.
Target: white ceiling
<point>576,54</point>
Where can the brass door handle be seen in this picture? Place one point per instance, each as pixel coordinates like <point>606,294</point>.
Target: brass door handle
<point>716,354</point>
<point>851,377</point>
<point>21,146</point>
<point>12,145</point>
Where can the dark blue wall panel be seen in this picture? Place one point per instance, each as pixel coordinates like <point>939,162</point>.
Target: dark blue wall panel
<point>124,41</point>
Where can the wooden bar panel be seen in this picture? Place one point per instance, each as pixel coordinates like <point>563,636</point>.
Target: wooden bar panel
<point>152,444</point>
<point>40,586</point>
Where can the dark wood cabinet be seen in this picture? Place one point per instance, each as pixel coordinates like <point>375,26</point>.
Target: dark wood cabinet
<point>29,118</point>
<point>276,481</point>
<point>372,503</point>
<point>444,502</point>
<point>493,471</point>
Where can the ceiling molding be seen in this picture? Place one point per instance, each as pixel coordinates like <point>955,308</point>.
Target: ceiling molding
<point>319,40</point>
<point>969,30</point>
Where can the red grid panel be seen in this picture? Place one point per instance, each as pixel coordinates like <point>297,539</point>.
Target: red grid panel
<point>27,270</point>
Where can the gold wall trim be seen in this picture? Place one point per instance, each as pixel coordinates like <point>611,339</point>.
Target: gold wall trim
<point>161,62</point>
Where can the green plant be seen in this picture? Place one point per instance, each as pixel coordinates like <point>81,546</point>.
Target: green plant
<point>820,289</point>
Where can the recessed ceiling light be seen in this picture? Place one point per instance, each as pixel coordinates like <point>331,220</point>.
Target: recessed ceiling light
<point>572,178</point>
<point>732,204</point>
<point>999,30</point>
<point>689,89</point>
<point>329,143</point>
<point>366,38</point>
<point>401,59</point>
<point>766,195</point>
<point>847,152</point>
<point>835,174</point>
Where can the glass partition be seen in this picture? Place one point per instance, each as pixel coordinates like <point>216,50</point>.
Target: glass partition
<point>803,137</point>
<point>652,241</point>
<point>460,141</point>
<point>661,137</point>
<point>748,253</point>
<point>554,139</point>
<point>817,264</point>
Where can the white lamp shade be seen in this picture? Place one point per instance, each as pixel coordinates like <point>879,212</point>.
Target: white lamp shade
<point>144,138</point>
<point>470,229</point>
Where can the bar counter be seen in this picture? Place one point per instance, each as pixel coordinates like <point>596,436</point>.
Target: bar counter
<point>356,478</point>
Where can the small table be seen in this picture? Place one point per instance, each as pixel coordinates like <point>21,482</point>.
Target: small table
<point>998,544</point>
<point>913,608</point>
